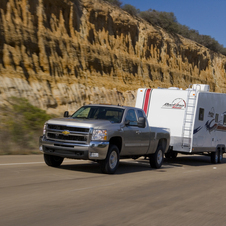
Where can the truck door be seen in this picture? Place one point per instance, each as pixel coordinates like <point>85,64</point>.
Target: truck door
<point>144,135</point>
<point>131,134</point>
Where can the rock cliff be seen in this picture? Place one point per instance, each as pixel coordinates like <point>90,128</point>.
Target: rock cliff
<point>61,54</point>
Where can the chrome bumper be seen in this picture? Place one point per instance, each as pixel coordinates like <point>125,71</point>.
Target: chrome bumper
<point>96,150</point>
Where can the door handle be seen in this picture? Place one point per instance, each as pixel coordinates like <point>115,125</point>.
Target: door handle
<point>138,131</point>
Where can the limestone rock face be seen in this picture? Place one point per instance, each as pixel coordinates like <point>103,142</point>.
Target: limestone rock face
<point>61,54</point>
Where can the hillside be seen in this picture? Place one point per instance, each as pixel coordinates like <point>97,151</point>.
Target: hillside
<point>62,54</point>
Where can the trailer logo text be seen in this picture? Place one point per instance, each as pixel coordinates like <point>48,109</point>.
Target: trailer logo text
<point>176,104</point>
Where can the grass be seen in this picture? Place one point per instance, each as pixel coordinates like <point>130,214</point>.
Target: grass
<point>21,125</point>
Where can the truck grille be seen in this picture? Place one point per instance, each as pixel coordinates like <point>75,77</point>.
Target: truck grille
<point>74,134</point>
<point>63,137</point>
<point>70,128</point>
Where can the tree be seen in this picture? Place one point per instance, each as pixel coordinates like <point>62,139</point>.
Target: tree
<point>131,9</point>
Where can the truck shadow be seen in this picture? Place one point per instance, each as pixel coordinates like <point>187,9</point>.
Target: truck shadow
<point>191,160</point>
<point>125,166</point>
<point>141,164</point>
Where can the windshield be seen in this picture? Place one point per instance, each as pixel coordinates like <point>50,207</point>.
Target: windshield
<point>96,112</point>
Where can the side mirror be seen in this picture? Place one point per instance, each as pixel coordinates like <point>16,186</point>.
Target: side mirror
<point>141,122</point>
<point>66,114</point>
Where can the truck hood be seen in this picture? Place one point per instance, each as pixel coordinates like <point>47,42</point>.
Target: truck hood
<point>86,123</point>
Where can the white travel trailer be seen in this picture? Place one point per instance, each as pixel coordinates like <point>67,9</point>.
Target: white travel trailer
<point>196,118</point>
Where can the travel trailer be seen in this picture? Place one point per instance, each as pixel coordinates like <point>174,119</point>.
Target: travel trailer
<point>196,118</point>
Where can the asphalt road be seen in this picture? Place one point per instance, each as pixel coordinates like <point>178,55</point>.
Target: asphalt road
<point>186,191</point>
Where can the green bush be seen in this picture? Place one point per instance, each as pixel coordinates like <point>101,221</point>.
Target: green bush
<point>114,2</point>
<point>169,22</point>
<point>21,126</point>
<point>131,9</point>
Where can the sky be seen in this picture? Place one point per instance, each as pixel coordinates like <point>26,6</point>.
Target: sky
<point>208,17</point>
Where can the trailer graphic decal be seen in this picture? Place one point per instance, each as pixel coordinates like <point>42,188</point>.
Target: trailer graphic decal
<point>178,103</point>
<point>197,130</point>
<point>210,127</point>
<point>146,101</point>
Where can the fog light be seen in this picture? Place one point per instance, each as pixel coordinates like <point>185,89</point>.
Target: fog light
<point>94,155</point>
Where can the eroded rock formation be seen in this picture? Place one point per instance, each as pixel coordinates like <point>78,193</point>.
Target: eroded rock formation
<point>61,54</point>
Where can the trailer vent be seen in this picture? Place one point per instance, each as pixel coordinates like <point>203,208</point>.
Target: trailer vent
<point>201,87</point>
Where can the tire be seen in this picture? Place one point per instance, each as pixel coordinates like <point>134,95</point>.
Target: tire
<point>54,161</point>
<point>220,156</point>
<point>156,159</point>
<point>214,157</point>
<point>110,164</point>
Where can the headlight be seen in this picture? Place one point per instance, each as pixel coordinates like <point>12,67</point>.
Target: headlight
<point>99,134</point>
<point>44,128</point>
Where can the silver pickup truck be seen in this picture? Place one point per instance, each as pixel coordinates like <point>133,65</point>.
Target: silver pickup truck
<point>103,133</point>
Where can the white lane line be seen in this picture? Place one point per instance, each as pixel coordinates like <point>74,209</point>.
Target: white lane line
<point>20,163</point>
<point>26,163</point>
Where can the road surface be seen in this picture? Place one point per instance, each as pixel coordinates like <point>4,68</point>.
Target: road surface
<point>186,191</point>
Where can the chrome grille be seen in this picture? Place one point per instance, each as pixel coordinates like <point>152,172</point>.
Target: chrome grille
<point>74,134</point>
<point>70,128</point>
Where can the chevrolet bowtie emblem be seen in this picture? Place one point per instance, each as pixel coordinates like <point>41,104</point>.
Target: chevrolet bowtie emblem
<point>66,132</point>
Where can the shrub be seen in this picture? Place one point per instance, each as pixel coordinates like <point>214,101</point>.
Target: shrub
<point>131,9</point>
<point>168,21</point>
<point>21,126</point>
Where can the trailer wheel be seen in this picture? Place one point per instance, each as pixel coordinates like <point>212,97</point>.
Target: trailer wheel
<point>110,164</point>
<point>54,161</point>
<point>220,156</point>
<point>214,157</point>
<point>156,159</point>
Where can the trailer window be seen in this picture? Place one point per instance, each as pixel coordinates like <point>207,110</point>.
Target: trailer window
<point>216,117</point>
<point>224,119</point>
<point>201,114</point>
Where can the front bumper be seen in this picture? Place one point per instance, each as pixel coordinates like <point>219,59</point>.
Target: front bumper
<point>96,150</point>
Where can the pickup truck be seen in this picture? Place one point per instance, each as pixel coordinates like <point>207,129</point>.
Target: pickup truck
<point>104,134</point>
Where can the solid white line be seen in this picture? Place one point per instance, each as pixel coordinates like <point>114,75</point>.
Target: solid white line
<point>27,163</point>
<point>20,163</point>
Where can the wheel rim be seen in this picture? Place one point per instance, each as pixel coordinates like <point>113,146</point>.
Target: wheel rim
<point>159,157</point>
<point>113,159</point>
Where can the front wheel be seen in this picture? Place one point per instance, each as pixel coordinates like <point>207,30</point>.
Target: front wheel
<point>156,159</point>
<point>54,161</point>
<point>110,164</point>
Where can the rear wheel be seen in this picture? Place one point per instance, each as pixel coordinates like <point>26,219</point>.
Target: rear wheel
<point>214,157</point>
<point>54,161</point>
<point>110,164</point>
<point>156,159</point>
<point>220,156</point>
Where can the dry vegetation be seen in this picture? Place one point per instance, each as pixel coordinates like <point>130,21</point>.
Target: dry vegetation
<point>168,21</point>
<point>20,128</point>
